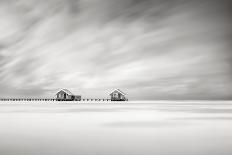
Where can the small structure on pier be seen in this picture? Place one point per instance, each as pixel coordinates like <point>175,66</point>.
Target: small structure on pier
<point>66,95</point>
<point>118,95</point>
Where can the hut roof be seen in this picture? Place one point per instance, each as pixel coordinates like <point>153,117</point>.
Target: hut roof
<point>118,91</point>
<point>66,91</point>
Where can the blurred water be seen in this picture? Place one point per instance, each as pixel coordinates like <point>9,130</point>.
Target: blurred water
<point>149,128</point>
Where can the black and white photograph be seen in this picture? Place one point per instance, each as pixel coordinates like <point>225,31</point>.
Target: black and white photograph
<point>115,77</point>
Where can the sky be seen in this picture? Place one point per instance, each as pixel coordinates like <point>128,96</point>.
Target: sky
<point>150,49</point>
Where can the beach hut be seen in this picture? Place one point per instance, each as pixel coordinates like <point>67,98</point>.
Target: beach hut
<point>118,95</point>
<point>66,95</point>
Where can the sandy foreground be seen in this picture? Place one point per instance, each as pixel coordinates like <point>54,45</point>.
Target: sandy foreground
<point>118,128</point>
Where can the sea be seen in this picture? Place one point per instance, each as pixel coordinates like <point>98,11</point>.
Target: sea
<point>116,128</point>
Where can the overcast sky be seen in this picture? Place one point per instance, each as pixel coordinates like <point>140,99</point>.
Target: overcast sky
<point>150,49</point>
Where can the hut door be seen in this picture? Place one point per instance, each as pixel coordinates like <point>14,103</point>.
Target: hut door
<point>119,96</point>
<point>64,96</point>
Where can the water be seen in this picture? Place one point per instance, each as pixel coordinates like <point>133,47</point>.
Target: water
<point>126,128</point>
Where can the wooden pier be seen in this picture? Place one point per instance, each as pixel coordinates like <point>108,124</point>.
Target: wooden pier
<point>50,99</point>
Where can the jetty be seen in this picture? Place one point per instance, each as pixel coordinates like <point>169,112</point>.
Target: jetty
<point>49,99</point>
<point>66,95</point>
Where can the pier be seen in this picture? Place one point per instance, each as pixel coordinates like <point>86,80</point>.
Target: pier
<point>51,99</point>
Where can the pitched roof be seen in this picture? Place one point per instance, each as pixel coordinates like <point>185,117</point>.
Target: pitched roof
<point>118,91</point>
<point>66,91</point>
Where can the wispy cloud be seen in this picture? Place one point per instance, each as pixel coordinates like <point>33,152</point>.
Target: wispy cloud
<point>151,49</point>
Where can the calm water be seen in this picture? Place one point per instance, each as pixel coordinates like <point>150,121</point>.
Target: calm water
<point>128,128</point>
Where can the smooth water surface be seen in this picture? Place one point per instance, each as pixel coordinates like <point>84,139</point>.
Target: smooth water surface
<point>126,128</point>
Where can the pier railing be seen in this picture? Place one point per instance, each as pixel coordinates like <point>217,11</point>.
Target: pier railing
<point>49,99</point>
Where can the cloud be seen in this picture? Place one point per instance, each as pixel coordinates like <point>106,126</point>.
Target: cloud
<point>151,49</point>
